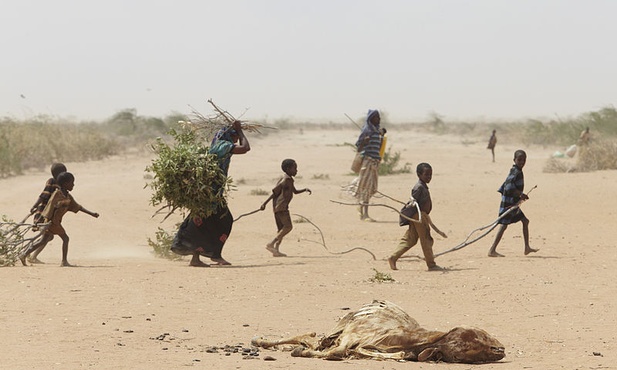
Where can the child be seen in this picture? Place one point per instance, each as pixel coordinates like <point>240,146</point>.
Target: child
<point>281,196</point>
<point>417,230</point>
<point>511,195</point>
<point>492,141</point>
<point>59,203</point>
<point>50,186</point>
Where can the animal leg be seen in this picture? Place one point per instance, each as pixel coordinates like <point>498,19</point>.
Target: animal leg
<point>306,340</point>
<point>401,355</point>
<point>334,354</point>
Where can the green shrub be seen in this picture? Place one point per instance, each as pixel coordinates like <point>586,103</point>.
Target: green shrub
<point>389,163</point>
<point>381,277</point>
<point>186,176</point>
<point>162,245</point>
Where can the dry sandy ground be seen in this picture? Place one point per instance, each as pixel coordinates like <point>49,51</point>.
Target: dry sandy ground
<point>123,308</point>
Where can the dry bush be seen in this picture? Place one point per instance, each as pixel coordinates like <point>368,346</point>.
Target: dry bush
<point>599,155</point>
<point>559,165</point>
<point>26,145</point>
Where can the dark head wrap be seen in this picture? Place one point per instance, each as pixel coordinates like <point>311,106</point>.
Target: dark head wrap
<point>226,133</point>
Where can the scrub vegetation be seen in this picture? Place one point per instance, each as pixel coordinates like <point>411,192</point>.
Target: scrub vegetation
<point>38,142</point>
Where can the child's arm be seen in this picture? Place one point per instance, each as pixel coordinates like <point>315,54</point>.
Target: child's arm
<point>296,191</point>
<point>302,191</point>
<point>35,206</point>
<point>93,214</point>
<point>263,206</point>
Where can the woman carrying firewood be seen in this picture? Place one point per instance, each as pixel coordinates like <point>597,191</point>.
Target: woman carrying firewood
<point>205,236</point>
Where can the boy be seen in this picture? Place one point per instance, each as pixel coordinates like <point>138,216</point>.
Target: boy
<point>59,203</point>
<point>511,195</point>
<point>417,230</point>
<point>281,196</point>
<point>50,186</point>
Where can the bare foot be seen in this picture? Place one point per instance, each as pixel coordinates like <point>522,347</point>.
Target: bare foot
<point>367,219</point>
<point>220,262</point>
<point>530,250</point>
<point>270,249</point>
<point>23,260</point>
<point>278,254</point>
<point>66,264</point>
<point>35,260</point>
<point>495,254</point>
<point>198,263</point>
<point>392,263</point>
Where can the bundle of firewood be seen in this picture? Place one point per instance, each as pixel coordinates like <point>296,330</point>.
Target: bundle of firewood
<point>185,176</point>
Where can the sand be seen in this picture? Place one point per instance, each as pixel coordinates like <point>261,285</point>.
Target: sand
<point>121,307</point>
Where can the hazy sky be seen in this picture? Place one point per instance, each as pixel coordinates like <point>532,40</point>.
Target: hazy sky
<point>314,59</point>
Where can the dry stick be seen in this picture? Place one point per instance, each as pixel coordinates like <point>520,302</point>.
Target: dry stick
<point>491,226</point>
<point>231,119</point>
<point>381,205</point>
<point>247,214</point>
<point>389,197</point>
<point>15,236</point>
<point>323,240</point>
<point>169,213</point>
<point>225,114</point>
<point>354,122</point>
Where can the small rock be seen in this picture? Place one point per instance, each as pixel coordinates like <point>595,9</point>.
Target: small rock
<point>269,358</point>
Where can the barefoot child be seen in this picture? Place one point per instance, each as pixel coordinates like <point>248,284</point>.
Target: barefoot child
<point>511,195</point>
<point>421,231</point>
<point>281,196</point>
<point>50,186</point>
<point>59,203</point>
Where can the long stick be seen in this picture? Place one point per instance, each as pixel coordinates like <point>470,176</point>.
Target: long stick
<point>389,197</point>
<point>492,226</point>
<point>323,240</point>
<point>383,205</point>
<point>247,214</point>
<point>354,122</point>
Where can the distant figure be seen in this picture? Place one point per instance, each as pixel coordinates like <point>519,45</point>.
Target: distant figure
<point>370,140</point>
<point>281,196</point>
<point>60,203</point>
<point>492,141</point>
<point>511,195</point>
<point>585,137</point>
